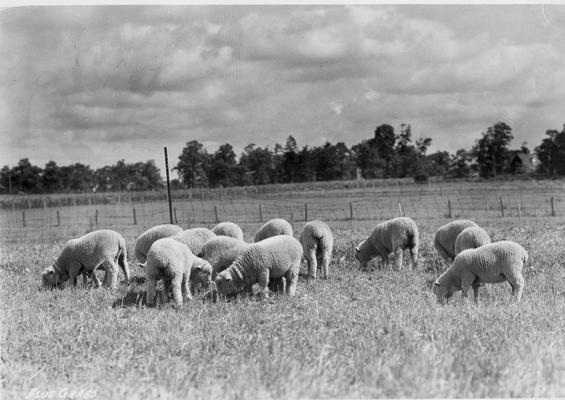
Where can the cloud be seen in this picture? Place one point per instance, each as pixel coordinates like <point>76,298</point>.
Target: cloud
<point>105,83</point>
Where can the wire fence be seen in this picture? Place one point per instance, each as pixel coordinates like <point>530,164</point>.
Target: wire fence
<point>40,219</point>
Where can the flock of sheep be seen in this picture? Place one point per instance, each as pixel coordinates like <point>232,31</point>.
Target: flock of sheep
<point>188,261</point>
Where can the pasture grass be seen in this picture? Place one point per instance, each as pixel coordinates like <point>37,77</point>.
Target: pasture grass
<point>359,334</point>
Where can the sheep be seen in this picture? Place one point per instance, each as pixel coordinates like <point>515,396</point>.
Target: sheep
<point>181,271</point>
<point>390,237</point>
<point>471,238</point>
<point>146,239</point>
<point>228,229</point>
<point>276,226</point>
<point>445,236</point>
<point>317,241</point>
<point>274,257</point>
<point>221,252</point>
<point>102,248</point>
<point>194,238</point>
<point>491,263</point>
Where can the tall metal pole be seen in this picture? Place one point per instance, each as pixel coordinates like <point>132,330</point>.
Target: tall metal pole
<point>168,187</point>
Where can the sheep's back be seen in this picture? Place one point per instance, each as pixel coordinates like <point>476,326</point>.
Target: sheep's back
<point>146,239</point>
<point>446,234</point>
<point>278,254</point>
<point>169,257</point>
<point>274,227</point>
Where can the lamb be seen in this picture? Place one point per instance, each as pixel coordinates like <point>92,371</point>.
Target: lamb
<point>146,239</point>
<point>276,226</point>
<point>445,236</point>
<point>390,237</point>
<point>194,238</point>
<point>492,263</point>
<point>317,241</point>
<point>274,257</point>
<point>471,238</point>
<point>181,271</point>
<point>228,229</point>
<point>98,249</point>
<point>221,252</point>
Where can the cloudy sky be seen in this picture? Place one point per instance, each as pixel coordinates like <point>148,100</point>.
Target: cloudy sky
<point>96,84</point>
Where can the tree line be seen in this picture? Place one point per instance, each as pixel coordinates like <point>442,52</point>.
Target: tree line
<point>387,154</point>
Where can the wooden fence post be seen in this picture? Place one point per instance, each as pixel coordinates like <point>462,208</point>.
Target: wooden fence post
<point>501,206</point>
<point>350,211</point>
<point>24,218</point>
<point>448,208</point>
<point>58,219</point>
<point>134,217</point>
<point>96,217</point>
<point>216,214</point>
<point>305,212</point>
<point>260,214</point>
<point>552,207</point>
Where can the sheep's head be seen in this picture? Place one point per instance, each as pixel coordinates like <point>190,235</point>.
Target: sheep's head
<point>442,292</point>
<point>51,279</point>
<point>201,273</point>
<point>227,283</point>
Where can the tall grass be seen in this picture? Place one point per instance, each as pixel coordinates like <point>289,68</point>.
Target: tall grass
<point>358,334</point>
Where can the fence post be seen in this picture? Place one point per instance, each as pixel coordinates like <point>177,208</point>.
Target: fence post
<point>501,206</point>
<point>519,209</point>
<point>552,207</point>
<point>350,210</point>
<point>448,208</point>
<point>305,212</point>
<point>24,218</point>
<point>58,219</point>
<point>134,217</point>
<point>216,214</point>
<point>400,209</point>
<point>260,214</point>
<point>96,217</point>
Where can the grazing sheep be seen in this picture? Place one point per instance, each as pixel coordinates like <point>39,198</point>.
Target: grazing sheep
<point>274,257</point>
<point>276,226</point>
<point>179,269</point>
<point>492,263</point>
<point>471,238</point>
<point>221,252</point>
<point>146,239</point>
<point>317,241</point>
<point>445,236</point>
<point>103,248</point>
<point>390,237</point>
<point>194,238</point>
<point>228,229</point>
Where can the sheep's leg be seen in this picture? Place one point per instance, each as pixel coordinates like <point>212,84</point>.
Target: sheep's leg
<point>151,284</point>
<point>291,280</point>
<point>111,277</point>
<point>263,283</point>
<point>74,271</point>
<point>312,262</point>
<point>467,280</point>
<point>414,257</point>
<point>167,288</point>
<point>95,279</point>
<point>187,286</point>
<point>326,263</point>
<point>123,263</point>
<point>398,258</point>
<point>176,283</point>
<point>517,283</point>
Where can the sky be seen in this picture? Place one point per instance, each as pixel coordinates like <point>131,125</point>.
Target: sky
<point>97,84</point>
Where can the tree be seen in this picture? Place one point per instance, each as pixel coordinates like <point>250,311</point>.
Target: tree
<point>52,178</point>
<point>256,165</point>
<point>491,151</point>
<point>26,177</point>
<point>289,165</point>
<point>367,158</point>
<point>223,167</point>
<point>551,153</point>
<point>331,162</point>
<point>460,164</point>
<point>78,178</point>
<point>439,163</point>
<point>194,165</point>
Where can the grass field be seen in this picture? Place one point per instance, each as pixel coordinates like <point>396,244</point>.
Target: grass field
<point>358,334</point>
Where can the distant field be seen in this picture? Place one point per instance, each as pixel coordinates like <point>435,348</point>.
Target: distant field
<point>355,335</point>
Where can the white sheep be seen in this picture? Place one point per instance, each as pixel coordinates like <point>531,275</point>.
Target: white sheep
<point>228,229</point>
<point>390,237</point>
<point>471,238</point>
<point>221,252</point>
<point>492,263</point>
<point>276,226</point>
<point>194,238</point>
<point>98,249</point>
<point>317,241</point>
<point>445,236</point>
<point>274,257</point>
<point>146,239</point>
<point>181,271</point>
